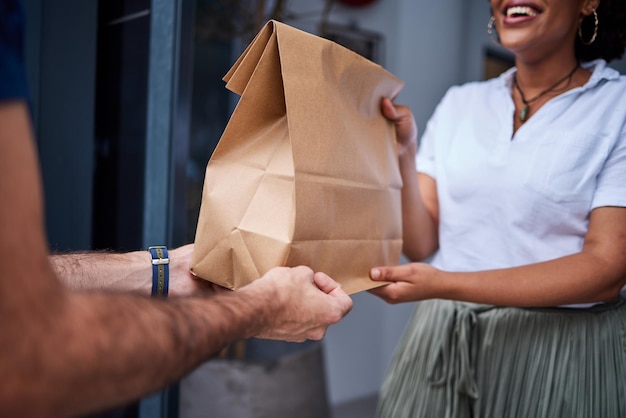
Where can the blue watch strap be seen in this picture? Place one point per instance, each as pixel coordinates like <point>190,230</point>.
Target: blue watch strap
<point>160,270</point>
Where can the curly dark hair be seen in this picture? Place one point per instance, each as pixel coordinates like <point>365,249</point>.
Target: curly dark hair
<point>611,38</point>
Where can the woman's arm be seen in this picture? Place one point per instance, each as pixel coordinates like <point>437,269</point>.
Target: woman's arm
<point>596,274</point>
<point>420,207</point>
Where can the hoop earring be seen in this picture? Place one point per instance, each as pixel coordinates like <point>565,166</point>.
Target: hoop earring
<point>595,30</point>
<point>491,30</point>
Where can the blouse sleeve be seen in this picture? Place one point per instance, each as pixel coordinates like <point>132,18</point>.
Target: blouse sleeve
<point>611,186</point>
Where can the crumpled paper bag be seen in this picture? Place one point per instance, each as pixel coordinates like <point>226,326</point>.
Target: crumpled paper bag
<point>306,171</point>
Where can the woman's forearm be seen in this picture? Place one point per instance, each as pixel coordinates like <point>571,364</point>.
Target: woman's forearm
<point>595,274</point>
<point>419,212</point>
<point>579,278</point>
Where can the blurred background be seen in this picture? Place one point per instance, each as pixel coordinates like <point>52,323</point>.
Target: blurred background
<point>128,106</point>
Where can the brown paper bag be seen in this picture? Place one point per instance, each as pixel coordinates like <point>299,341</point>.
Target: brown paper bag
<point>306,172</point>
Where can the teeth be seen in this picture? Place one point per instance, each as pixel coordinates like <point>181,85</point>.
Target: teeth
<point>520,11</point>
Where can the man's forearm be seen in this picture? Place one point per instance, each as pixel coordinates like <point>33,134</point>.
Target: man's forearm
<point>125,272</point>
<point>104,270</point>
<point>140,346</point>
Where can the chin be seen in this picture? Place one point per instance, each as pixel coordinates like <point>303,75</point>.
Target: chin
<point>515,44</point>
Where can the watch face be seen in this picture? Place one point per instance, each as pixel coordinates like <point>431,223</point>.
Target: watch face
<point>357,3</point>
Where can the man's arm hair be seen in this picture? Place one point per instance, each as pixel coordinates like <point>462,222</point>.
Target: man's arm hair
<point>126,272</point>
<point>104,270</point>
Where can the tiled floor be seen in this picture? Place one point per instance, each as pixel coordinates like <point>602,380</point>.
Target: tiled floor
<point>360,408</point>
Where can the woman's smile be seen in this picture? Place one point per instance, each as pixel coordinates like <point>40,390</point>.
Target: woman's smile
<point>515,14</point>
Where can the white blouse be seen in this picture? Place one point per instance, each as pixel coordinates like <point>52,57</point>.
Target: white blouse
<point>507,200</point>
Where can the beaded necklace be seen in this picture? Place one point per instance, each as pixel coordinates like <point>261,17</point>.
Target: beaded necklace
<point>523,114</point>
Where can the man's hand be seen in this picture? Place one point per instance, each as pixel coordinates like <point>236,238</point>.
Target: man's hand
<point>182,282</point>
<point>303,304</point>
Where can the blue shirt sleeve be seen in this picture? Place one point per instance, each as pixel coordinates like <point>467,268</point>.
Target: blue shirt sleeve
<point>13,84</point>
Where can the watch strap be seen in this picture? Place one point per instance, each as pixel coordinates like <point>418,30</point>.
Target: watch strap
<point>160,270</point>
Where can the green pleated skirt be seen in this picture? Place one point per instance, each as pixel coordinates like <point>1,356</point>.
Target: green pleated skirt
<point>475,361</point>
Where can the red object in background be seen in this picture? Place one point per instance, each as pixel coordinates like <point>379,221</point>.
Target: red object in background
<point>358,3</point>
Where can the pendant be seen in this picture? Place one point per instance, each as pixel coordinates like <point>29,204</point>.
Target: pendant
<point>523,114</point>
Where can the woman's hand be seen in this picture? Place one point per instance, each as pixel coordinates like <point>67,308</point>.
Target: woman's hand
<point>406,128</point>
<point>408,282</point>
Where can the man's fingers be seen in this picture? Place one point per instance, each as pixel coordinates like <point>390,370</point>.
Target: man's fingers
<point>325,283</point>
<point>331,287</point>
